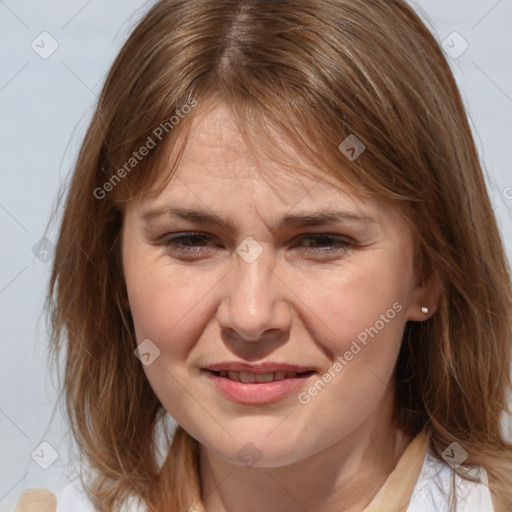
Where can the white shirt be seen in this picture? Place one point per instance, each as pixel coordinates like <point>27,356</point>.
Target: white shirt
<point>431,493</point>
<point>432,489</point>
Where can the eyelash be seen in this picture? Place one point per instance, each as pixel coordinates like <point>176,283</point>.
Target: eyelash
<point>340,244</point>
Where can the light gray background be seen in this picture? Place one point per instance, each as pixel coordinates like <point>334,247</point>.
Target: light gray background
<point>45,105</point>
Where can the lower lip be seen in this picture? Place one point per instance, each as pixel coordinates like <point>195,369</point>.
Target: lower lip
<point>259,392</point>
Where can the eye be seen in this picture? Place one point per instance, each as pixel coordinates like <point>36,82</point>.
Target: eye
<point>323,244</point>
<point>187,242</point>
<point>316,244</point>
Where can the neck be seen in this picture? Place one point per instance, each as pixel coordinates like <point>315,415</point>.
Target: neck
<point>345,476</point>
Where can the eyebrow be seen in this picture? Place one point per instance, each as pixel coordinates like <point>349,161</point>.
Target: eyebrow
<point>302,220</point>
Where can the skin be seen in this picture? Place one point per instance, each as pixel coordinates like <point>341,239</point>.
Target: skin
<point>292,304</point>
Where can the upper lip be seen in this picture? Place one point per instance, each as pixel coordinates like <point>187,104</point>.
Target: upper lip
<point>257,368</point>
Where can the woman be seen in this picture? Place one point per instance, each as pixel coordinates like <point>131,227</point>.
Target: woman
<point>278,233</point>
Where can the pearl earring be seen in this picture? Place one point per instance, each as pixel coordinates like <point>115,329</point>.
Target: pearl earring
<point>424,309</point>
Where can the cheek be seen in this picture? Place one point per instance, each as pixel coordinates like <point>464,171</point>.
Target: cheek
<point>168,307</point>
<point>362,313</point>
<point>365,327</point>
<point>354,304</point>
<point>166,300</point>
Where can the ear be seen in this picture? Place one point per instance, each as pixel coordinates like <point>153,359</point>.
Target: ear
<point>426,294</point>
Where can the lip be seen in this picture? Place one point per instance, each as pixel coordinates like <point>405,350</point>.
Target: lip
<point>265,367</point>
<point>257,392</point>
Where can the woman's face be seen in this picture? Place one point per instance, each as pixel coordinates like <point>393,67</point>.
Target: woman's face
<point>295,287</point>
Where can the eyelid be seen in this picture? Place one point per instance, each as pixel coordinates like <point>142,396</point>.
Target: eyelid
<point>184,234</point>
<point>333,236</point>
<point>341,244</point>
<point>171,237</point>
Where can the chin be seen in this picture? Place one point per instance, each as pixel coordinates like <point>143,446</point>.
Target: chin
<point>267,451</point>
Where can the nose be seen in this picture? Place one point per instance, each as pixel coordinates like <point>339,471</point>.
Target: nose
<point>255,304</point>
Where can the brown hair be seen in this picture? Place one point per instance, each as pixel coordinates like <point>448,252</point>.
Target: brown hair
<point>316,71</point>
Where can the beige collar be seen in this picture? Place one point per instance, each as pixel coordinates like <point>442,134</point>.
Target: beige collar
<point>395,494</point>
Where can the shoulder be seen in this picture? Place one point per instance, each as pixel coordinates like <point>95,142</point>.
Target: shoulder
<point>433,489</point>
<point>73,497</point>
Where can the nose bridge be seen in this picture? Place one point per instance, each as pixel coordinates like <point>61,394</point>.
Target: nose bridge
<point>253,280</point>
<point>255,299</point>
<point>253,289</point>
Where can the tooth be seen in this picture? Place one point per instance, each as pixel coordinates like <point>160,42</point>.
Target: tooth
<point>291,374</point>
<point>223,373</point>
<point>279,375</point>
<point>264,377</point>
<point>247,377</point>
<point>234,376</point>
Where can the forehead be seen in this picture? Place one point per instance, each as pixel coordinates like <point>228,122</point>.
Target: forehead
<point>219,155</point>
<point>218,149</point>
<point>222,171</point>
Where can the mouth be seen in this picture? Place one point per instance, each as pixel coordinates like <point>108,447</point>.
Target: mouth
<point>262,385</point>
<point>252,378</point>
